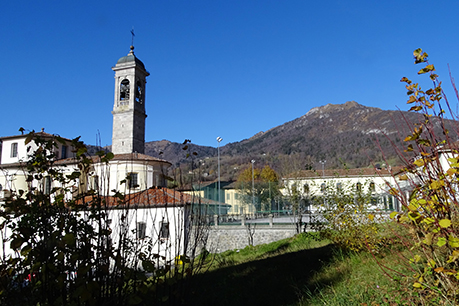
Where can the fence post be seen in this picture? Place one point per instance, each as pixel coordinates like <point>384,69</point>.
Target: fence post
<point>270,216</point>
<point>242,220</point>
<point>216,220</point>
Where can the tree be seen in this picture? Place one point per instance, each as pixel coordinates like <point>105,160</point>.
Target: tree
<point>265,188</point>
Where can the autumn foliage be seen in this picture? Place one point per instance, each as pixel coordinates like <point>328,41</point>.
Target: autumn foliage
<point>431,211</point>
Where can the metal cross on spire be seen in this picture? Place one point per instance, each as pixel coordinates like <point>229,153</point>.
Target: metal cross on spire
<point>132,33</point>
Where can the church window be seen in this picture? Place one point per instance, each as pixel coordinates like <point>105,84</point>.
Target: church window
<point>124,89</point>
<point>14,149</point>
<point>372,187</point>
<point>141,230</point>
<point>138,92</point>
<point>164,230</point>
<point>133,180</point>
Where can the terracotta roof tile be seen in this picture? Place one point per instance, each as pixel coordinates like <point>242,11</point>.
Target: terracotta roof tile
<point>343,172</point>
<point>154,197</point>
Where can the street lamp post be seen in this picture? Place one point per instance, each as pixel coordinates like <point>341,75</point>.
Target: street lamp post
<point>323,167</point>
<point>219,139</point>
<point>253,185</point>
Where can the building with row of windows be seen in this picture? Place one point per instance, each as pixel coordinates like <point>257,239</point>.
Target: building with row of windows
<point>373,182</point>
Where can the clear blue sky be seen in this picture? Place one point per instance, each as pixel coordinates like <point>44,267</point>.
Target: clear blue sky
<point>218,67</point>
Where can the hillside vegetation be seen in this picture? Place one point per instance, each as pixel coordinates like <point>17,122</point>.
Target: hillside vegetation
<point>356,136</point>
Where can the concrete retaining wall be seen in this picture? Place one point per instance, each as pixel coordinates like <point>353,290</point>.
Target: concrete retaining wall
<point>229,237</point>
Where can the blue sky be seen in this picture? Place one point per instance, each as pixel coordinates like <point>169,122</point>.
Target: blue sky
<point>218,68</point>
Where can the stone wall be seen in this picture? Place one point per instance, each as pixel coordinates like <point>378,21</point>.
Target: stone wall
<point>230,237</point>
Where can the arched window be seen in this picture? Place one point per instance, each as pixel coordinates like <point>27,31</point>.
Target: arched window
<point>124,90</point>
<point>372,187</point>
<point>306,188</point>
<point>138,92</point>
<point>358,187</point>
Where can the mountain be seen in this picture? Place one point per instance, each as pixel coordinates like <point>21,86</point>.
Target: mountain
<point>344,135</point>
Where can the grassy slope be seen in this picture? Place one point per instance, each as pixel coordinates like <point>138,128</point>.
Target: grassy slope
<point>297,271</point>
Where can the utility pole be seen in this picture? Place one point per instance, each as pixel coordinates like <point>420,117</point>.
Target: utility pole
<point>323,176</point>
<point>253,185</point>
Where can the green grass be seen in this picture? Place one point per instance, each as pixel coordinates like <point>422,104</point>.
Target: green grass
<point>302,270</point>
<point>362,282</point>
<point>300,242</point>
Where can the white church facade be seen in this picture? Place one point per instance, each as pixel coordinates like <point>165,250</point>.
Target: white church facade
<point>156,212</point>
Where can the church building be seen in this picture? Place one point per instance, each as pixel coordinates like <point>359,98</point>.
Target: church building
<point>148,209</point>
<point>129,165</point>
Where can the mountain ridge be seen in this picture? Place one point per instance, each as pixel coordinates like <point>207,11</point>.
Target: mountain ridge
<point>345,135</point>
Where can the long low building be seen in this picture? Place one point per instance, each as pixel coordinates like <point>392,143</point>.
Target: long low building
<point>373,182</point>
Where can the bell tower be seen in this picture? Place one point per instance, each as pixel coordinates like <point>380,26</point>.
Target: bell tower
<point>129,105</point>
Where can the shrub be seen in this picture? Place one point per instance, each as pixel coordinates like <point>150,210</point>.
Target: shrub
<point>430,212</point>
<point>352,219</point>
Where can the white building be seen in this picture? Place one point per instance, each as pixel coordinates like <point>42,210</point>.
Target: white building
<point>153,210</point>
<point>376,182</point>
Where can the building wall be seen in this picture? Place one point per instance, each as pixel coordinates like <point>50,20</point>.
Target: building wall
<point>231,197</point>
<point>378,186</point>
<point>22,150</point>
<point>223,238</point>
<point>121,219</point>
<point>149,174</point>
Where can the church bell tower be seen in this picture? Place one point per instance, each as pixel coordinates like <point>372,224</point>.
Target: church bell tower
<point>129,106</point>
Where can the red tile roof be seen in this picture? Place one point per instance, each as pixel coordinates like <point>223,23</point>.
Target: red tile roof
<point>153,197</point>
<point>358,172</point>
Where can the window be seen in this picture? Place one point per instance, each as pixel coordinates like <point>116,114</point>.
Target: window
<point>228,196</point>
<point>138,92</point>
<point>339,186</point>
<point>236,196</point>
<point>47,185</point>
<point>372,187</point>
<point>141,230</point>
<point>164,230</point>
<point>64,152</point>
<point>294,188</point>
<point>14,149</point>
<point>133,180</point>
<point>306,188</point>
<point>124,90</point>
<point>322,187</point>
<point>358,187</point>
